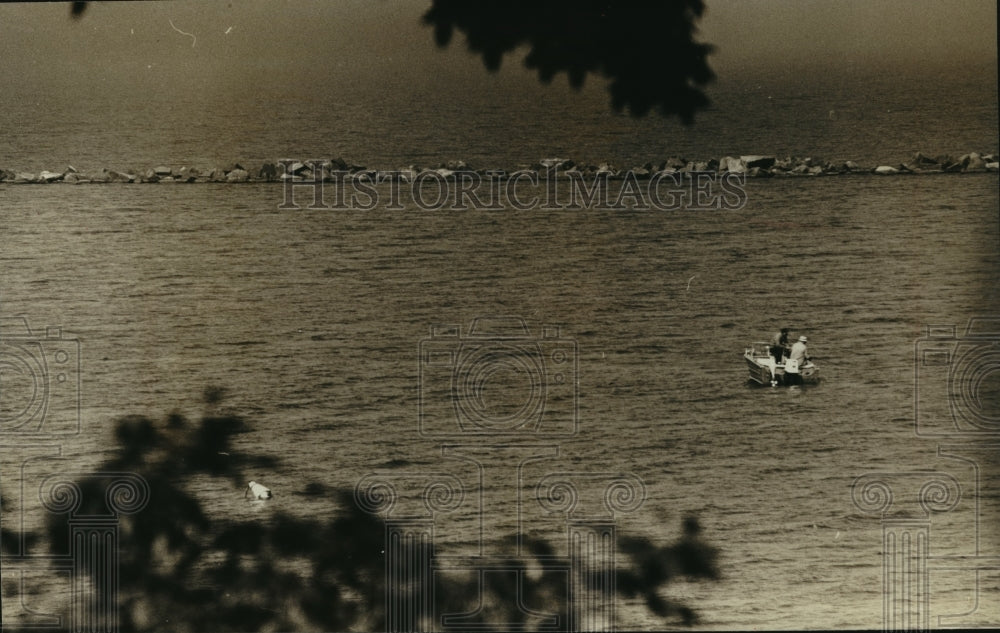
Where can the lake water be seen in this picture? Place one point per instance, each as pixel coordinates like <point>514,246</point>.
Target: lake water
<point>313,320</point>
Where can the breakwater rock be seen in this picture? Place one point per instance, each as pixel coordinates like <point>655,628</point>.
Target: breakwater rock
<point>752,166</point>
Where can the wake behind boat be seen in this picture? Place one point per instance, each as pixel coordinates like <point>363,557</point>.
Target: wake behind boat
<point>766,370</point>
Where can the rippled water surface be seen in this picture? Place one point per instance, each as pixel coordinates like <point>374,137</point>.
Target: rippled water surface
<point>313,319</point>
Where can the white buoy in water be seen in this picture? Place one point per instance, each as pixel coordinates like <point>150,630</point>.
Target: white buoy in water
<point>258,491</point>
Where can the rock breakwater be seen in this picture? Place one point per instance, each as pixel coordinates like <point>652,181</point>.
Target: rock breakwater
<point>752,166</point>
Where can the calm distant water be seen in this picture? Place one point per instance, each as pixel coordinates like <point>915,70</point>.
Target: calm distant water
<point>313,319</point>
<point>873,116</point>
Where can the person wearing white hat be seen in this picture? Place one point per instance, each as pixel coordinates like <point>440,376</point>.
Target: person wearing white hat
<point>798,357</point>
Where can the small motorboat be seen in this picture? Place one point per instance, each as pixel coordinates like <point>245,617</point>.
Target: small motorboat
<point>766,371</point>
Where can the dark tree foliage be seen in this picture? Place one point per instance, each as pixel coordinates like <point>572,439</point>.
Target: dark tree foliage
<point>180,569</point>
<point>656,566</point>
<point>646,48</point>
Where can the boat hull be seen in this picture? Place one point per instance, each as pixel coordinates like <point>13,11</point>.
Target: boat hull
<point>759,371</point>
<point>765,371</point>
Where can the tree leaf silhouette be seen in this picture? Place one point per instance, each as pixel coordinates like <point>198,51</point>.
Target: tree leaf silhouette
<point>645,48</point>
<point>181,568</point>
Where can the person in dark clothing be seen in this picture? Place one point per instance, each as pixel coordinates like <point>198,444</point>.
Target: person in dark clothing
<point>779,344</point>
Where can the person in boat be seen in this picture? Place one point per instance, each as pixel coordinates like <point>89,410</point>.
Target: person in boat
<point>779,344</point>
<point>799,351</point>
<point>796,359</point>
